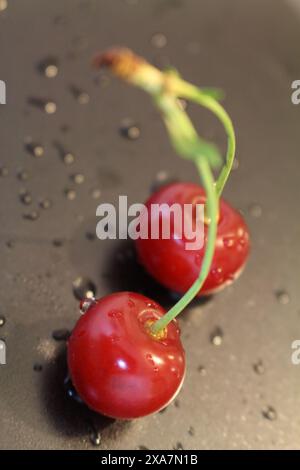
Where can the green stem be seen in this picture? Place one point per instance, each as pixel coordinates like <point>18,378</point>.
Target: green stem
<point>195,94</point>
<point>212,212</point>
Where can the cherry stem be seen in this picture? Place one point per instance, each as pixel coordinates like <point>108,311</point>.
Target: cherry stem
<point>165,89</point>
<point>212,212</point>
<point>213,105</point>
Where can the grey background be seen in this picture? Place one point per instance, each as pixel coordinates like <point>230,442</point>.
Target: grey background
<point>251,50</point>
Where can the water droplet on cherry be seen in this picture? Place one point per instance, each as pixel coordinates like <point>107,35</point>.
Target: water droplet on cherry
<point>115,314</point>
<point>70,389</point>
<point>228,242</point>
<point>85,304</point>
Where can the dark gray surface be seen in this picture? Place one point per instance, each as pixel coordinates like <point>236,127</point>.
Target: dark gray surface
<point>249,48</point>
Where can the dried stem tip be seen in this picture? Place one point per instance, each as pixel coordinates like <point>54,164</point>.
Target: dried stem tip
<point>132,68</point>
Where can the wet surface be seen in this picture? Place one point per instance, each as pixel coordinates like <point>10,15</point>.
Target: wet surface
<point>92,138</point>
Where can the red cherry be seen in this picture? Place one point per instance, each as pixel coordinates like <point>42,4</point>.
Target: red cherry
<point>175,267</point>
<point>117,366</point>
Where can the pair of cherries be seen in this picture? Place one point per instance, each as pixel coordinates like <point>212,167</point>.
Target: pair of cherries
<point>118,366</point>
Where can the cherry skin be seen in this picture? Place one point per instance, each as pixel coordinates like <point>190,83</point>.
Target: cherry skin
<point>176,267</point>
<point>117,366</point>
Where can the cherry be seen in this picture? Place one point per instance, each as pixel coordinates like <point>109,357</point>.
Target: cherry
<point>175,267</point>
<point>118,366</point>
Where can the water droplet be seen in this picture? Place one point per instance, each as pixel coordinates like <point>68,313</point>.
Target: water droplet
<point>85,304</point>
<point>35,149</point>
<point>68,158</point>
<point>163,410</point>
<point>96,193</point>
<point>131,303</point>
<point>151,305</point>
<point>81,96</point>
<point>259,367</point>
<point>178,446</point>
<point>2,321</point>
<point>114,338</point>
<point>25,197</point>
<point>159,40</point>
<point>45,204</point>
<point>150,359</point>
<point>78,178</point>
<point>70,389</point>
<point>37,367</point>
<point>282,297</point>
<point>228,242</point>
<point>90,236</point>
<point>255,210</point>
<point>57,242</point>
<point>95,438</point>
<point>191,431</point>
<point>115,314</point>
<point>198,259</point>
<point>130,130</point>
<point>218,274</point>
<point>161,176</point>
<point>3,171</point>
<point>59,20</point>
<point>202,370</point>
<point>61,335</point>
<point>50,107</point>
<point>269,413</point>
<point>84,288</point>
<point>3,5</point>
<point>33,215</point>
<point>236,164</point>
<point>64,128</point>
<point>22,175</point>
<point>48,67</point>
<point>216,337</point>
<point>70,194</point>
